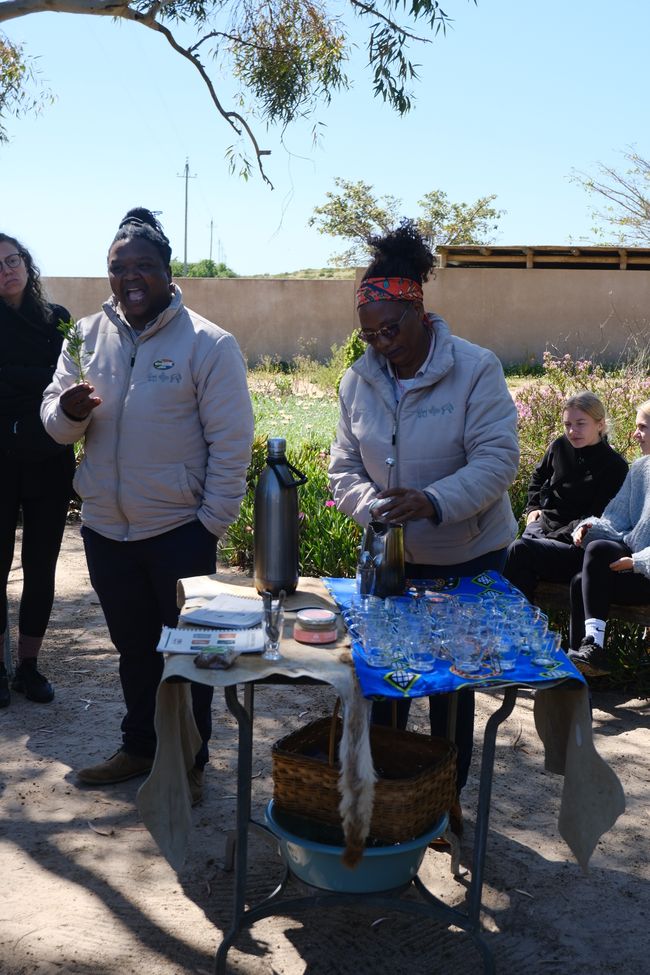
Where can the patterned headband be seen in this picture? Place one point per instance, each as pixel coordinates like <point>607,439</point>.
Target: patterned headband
<point>388,289</point>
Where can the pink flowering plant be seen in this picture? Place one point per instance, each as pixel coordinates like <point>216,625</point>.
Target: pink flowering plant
<point>539,408</point>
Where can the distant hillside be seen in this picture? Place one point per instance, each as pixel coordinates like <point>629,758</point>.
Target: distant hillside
<point>343,273</point>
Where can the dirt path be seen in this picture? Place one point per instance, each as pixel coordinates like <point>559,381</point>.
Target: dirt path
<point>84,890</point>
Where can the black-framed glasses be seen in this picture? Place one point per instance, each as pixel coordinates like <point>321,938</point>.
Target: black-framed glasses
<point>10,261</point>
<point>387,332</point>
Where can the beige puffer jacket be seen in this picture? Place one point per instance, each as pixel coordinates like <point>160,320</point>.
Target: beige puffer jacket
<point>171,439</point>
<point>454,433</point>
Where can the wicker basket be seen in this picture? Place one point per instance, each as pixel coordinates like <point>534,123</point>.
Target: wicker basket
<point>416,778</point>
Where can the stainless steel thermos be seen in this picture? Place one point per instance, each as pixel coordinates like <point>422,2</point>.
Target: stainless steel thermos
<point>275,546</point>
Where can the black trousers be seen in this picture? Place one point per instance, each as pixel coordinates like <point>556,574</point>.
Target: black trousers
<point>533,557</point>
<point>42,491</point>
<point>597,586</point>
<point>136,585</point>
<point>382,711</point>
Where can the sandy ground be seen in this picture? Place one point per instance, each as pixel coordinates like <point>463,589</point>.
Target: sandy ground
<point>83,888</point>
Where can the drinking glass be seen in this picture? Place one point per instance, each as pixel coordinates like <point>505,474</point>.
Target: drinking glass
<point>414,638</point>
<point>508,650</point>
<point>377,640</point>
<point>273,626</point>
<point>547,652</point>
<point>467,654</point>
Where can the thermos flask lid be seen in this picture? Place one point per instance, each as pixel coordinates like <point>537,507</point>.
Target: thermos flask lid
<point>276,446</point>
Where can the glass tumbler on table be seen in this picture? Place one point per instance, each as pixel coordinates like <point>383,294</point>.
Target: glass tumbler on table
<point>273,623</point>
<point>546,653</point>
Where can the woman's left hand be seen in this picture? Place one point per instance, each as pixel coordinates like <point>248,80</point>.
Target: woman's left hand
<point>622,565</point>
<point>403,504</point>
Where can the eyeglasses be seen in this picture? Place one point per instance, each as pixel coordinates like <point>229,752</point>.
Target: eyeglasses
<point>11,260</point>
<point>387,333</point>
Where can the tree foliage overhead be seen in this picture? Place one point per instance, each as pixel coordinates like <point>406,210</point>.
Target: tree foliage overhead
<point>288,56</point>
<point>356,213</point>
<point>624,198</point>
<point>18,79</point>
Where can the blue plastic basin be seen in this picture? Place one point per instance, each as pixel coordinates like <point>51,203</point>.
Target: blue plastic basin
<point>380,868</point>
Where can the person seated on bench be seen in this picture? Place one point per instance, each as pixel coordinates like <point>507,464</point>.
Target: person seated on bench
<point>577,476</point>
<point>616,567</point>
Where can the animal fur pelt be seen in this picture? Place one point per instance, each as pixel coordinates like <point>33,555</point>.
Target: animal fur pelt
<point>357,778</point>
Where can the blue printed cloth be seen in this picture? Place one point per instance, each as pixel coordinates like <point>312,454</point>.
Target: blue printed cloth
<point>403,682</point>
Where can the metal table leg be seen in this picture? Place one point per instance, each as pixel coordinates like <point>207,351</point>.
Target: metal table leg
<point>244,716</point>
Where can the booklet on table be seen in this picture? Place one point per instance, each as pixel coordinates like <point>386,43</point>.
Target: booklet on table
<point>226,610</point>
<point>211,641</point>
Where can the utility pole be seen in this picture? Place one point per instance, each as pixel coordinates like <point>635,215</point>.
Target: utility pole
<point>186,176</point>
<point>211,225</point>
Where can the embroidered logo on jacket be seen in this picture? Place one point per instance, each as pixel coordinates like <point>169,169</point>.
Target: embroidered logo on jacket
<point>423,411</point>
<point>163,364</point>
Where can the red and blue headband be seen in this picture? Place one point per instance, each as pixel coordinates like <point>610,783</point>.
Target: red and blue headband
<point>388,289</point>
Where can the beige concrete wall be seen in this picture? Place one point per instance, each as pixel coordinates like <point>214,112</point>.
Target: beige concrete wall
<point>267,316</point>
<point>516,312</point>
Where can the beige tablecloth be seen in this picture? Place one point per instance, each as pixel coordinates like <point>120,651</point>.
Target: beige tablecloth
<point>592,797</point>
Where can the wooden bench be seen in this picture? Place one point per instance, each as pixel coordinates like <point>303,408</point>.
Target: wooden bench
<point>555,596</point>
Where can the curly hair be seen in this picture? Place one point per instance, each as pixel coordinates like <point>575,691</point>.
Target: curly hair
<point>142,223</point>
<point>402,252</point>
<point>33,301</point>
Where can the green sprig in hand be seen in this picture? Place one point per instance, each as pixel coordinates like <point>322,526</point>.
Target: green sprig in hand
<point>74,338</point>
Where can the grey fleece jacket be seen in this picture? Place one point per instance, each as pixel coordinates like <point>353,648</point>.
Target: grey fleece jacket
<point>453,434</point>
<point>171,439</point>
<point>626,518</point>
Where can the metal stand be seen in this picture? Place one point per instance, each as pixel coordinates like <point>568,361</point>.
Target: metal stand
<point>429,907</point>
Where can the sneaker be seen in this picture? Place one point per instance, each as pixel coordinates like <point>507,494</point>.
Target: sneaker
<point>195,778</point>
<point>118,768</point>
<point>5,696</point>
<point>590,658</point>
<point>28,681</point>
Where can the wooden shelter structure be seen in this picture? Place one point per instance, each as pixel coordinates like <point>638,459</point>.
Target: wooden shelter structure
<point>574,258</point>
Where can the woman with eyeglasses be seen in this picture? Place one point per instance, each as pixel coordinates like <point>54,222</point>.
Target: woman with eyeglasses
<point>36,482</point>
<point>440,407</point>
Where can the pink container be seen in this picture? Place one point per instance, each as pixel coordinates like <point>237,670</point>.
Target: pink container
<point>315,626</point>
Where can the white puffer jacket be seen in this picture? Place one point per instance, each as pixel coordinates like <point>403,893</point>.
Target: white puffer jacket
<point>453,434</point>
<point>171,439</point>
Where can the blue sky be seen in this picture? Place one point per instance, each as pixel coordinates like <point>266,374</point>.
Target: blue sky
<point>513,99</point>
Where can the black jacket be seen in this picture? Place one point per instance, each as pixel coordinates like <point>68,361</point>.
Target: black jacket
<point>569,484</point>
<point>30,343</point>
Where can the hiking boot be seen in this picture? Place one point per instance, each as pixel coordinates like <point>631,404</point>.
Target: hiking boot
<point>118,768</point>
<point>195,778</point>
<point>590,658</point>
<point>28,681</point>
<point>5,696</point>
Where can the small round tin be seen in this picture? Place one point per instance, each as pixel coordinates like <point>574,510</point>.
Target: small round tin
<point>315,626</point>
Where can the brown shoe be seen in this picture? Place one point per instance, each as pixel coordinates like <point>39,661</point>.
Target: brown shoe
<point>118,768</point>
<point>195,778</point>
